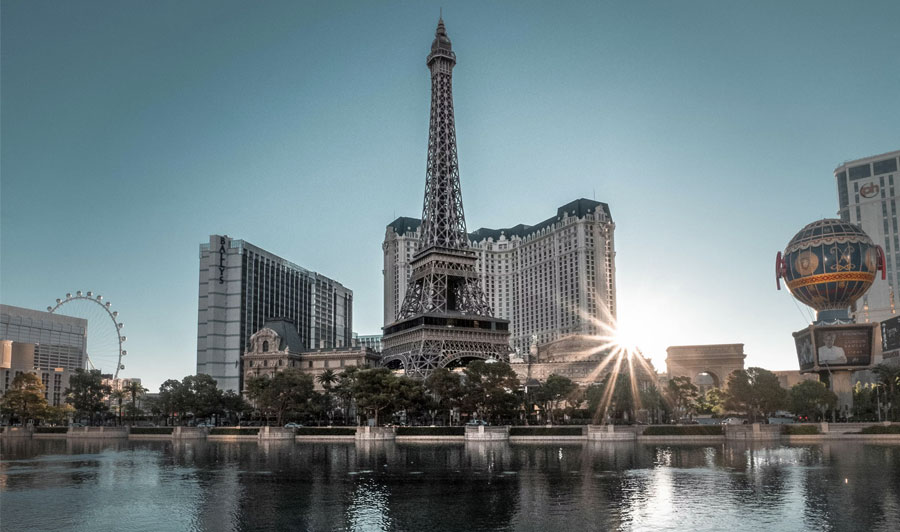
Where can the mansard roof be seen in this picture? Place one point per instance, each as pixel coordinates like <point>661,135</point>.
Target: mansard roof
<point>287,334</point>
<point>578,208</point>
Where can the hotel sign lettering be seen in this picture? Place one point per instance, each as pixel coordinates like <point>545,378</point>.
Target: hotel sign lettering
<point>222,253</point>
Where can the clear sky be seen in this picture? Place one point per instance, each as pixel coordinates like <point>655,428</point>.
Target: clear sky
<point>131,131</point>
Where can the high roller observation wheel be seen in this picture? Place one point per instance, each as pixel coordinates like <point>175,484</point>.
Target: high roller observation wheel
<point>107,311</point>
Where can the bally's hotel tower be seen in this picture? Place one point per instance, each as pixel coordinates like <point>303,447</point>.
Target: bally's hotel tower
<point>867,195</point>
<point>243,286</point>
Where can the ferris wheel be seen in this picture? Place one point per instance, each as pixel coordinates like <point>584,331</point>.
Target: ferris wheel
<point>104,334</point>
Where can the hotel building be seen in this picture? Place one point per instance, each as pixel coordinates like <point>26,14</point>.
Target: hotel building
<point>550,280</point>
<point>243,286</point>
<point>59,341</point>
<point>867,195</point>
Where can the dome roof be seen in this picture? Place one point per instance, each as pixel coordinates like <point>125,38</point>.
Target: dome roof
<point>827,231</point>
<point>829,264</point>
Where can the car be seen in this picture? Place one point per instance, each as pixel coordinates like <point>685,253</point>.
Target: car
<point>293,425</point>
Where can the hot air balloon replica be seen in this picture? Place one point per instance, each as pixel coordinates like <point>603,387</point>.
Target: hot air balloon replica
<point>828,265</point>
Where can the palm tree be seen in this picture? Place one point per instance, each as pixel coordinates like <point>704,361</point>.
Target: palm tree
<point>135,389</point>
<point>327,378</point>
<point>118,395</point>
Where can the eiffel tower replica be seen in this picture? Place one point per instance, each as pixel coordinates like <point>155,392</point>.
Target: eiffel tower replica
<point>444,320</point>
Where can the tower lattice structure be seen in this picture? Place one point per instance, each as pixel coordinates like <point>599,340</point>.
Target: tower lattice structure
<point>444,319</point>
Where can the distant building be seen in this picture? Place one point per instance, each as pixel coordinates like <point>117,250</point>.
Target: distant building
<point>277,346</point>
<point>120,385</point>
<point>18,357</point>
<point>372,341</point>
<point>788,378</point>
<point>60,341</point>
<point>867,196</point>
<point>577,358</point>
<point>243,286</point>
<point>550,280</point>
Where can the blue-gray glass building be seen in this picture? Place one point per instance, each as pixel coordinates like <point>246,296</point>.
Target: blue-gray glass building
<point>242,286</point>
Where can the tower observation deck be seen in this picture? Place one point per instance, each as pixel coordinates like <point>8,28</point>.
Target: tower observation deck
<point>444,320</point>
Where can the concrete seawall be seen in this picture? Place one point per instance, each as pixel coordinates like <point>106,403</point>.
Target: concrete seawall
<point>481,433</point>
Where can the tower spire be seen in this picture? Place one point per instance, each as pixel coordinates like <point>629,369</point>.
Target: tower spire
<point>443,219</point>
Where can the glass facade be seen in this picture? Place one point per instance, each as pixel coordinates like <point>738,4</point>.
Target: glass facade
<point>243,286</point>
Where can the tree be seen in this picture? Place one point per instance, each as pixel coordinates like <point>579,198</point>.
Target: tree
<point>490,389</point>
<point>234,406</point>
<point>652,399</point>
<point>134,390</point>
<point>889,383</point>
<point>711,402</point>
<point>201,395</point>
<point>58,415</point>
<point>327,379</point>
<point>286,392</point>
<point>754,391</point>
<point>409,396</point>
<point>25,398</point>
<point>171,400</point>
<point>812,399</point>
<point>373,390</point>
<point>446,389</point>
<point>119,396</point>
<point>614,398</point>
<point>343,390</point>
<point>86,392</point>
<point>552,392</point>
<point>682,395</point>
<point>325,402</point>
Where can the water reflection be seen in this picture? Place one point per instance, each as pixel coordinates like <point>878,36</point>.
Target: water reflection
<point>198,485</point>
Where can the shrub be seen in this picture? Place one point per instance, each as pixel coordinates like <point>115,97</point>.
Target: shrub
<point>546,431</point>
<point>222,431</point>
<point>799,430</point>
<point>51,430</point>
<point>686,430</point>
<point>881,429</point>
<point>431,431</point>
<point>326,431</point>
<point>152,430</point>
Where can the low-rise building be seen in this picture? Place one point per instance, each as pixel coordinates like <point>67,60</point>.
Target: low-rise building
<point>578,358</point>
<point>277,346</point>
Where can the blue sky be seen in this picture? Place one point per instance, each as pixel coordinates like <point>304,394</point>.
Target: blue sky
<point>133,130</point>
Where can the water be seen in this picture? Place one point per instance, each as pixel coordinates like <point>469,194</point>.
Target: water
<point>156,485</point>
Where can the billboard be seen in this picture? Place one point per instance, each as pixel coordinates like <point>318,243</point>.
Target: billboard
<point>805,351</point>
<point>840,346</point>
<point>890,334</point>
